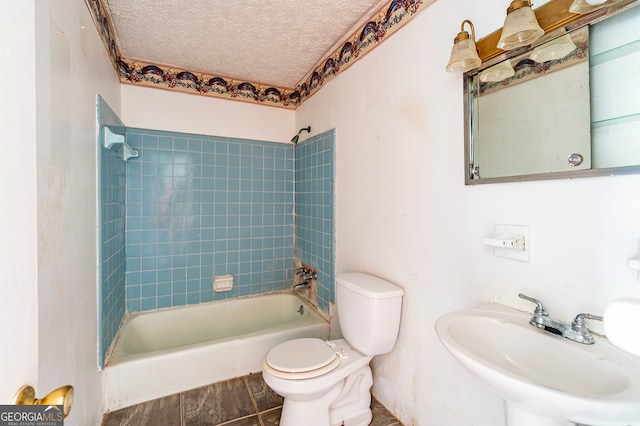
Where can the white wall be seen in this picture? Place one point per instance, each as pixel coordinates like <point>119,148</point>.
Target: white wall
<point>48,297</point>
<point>404,213</point>
<point>72,67</point>
<point>48,259</point>
<point>150,108</point>
<point>18,249</point>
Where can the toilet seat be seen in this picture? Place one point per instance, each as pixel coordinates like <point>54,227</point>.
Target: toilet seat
<point>301,359</point>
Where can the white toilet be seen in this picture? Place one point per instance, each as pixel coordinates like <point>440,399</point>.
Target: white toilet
<point>328,383</point>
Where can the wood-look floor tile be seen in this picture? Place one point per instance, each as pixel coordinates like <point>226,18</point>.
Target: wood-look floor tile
<point>217,403</point>
<point>161,411</point>
<point>227,403</point>
<point>271,417</point>
<point>264,397</point>
<point>381,416</point>
<point>247,421</point>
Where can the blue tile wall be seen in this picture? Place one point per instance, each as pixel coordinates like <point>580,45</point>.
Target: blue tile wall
<point>191,207</point>
<point>201,206</point>
<point>314,199</point>
<point>111,221</point>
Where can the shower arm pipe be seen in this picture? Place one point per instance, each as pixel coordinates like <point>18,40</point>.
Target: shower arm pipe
<point>297,136</point>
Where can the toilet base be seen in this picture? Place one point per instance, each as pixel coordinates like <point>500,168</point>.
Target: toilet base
<point>309,413</point>
<point>347,403</point>
<point>353,406</point>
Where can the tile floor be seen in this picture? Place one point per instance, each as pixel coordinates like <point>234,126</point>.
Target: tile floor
<point>244,401</point>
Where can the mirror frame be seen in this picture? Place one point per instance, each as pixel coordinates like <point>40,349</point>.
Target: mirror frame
<point>555,19</point>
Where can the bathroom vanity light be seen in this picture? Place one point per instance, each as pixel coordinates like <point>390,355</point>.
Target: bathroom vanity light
<point>521,26</point>
<point>464,56</point>
<point>498,72</point>
<point>587,6</point>
<point>555,49</point>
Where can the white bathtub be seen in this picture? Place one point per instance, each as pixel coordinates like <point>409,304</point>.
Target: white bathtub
<point>164,352</point>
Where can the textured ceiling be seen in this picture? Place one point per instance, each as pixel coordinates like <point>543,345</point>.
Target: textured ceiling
<point>276,42</point>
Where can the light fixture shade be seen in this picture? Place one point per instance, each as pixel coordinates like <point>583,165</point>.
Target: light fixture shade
<point>464,56</point>
<point>584,7</point>
<point>555,49</point>
<point>521,27</point>
<point>498,72</point>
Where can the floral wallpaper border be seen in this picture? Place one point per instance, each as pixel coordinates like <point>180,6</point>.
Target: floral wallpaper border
<point>527,69</point>
<point>389,19</point>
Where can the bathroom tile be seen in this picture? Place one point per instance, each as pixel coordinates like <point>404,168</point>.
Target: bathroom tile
<point>162,411</point>
<point>217,403</point>
<point>221,404</point>
<point>246,421</point>
<point>174,187</point>
<point>271,417</point>
<point>381,416</point>
<point>263,396</point>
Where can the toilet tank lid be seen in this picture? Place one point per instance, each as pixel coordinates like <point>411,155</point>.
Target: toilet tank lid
<point>369,285</point>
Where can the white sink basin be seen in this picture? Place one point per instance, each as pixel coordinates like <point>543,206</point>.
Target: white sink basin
<point>541,373</point>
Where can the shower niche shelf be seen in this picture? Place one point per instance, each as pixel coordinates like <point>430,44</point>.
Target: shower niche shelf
<point>117,143</point>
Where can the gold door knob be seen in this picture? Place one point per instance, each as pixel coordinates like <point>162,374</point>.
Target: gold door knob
<point>62,396</point>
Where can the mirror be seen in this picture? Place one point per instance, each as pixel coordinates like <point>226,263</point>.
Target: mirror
<point>566,107</point>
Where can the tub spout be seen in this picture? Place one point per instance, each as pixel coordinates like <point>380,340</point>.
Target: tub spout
<point>302,286</point>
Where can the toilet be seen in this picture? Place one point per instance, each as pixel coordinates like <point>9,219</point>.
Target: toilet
<point>328,383</point>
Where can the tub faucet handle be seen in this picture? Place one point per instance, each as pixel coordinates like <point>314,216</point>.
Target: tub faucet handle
<point>309,275</point>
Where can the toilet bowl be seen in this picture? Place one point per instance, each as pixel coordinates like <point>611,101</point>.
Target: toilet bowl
<point>314,395</point>
<point>328,383</point>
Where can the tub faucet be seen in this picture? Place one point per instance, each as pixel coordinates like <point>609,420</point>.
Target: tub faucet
<point>302,286</point>
<point>578,330</point>
<point>306,273</point>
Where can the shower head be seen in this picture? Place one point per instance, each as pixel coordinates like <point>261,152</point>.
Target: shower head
<point>296,137</point>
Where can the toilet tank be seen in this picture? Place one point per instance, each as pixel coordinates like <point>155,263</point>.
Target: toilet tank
<point>369,311</point>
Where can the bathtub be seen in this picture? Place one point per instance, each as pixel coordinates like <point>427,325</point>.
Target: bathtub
<point>163,352</point>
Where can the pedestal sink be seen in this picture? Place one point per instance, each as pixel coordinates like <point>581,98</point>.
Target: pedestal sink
<point>544,379</point>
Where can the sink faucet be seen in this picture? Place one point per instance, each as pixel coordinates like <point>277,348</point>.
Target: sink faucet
<point>578,330</point>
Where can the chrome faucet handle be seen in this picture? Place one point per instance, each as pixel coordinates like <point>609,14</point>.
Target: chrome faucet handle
<point>580,326</point>
<point>539,310</point>
<point>310,275</point>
